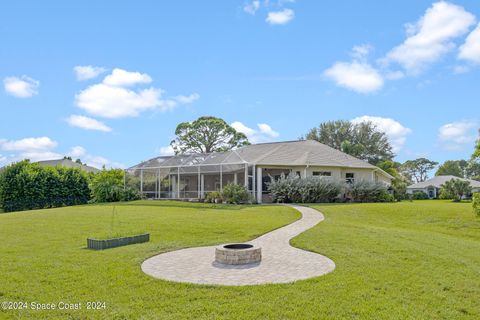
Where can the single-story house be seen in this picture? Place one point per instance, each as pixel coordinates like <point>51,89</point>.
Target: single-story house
<point>432,186</point>
<point>192,176</point>
<point>68,164</point>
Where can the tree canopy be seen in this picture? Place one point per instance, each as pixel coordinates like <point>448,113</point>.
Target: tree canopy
<point>205,135</point>
<point>455,189</point>
<point>362,140</point>
<point>417,170</point>
<point>455,168</point>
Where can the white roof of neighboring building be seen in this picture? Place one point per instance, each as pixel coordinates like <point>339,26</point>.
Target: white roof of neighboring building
<point>288,153</point>
<point>437,182</point>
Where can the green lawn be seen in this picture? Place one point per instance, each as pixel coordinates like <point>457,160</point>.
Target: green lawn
<point>418,260</point>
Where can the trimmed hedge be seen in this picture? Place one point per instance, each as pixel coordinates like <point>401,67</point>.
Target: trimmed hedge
<point>25,186</point>
<point>234,193</point>
<point>309,190</point>
<point>366,191</point>
<point>419,195</point>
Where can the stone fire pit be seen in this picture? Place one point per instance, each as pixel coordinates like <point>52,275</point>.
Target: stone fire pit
<point>238,253</point>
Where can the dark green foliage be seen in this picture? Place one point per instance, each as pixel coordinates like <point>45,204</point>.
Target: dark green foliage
<point>108,186</point>
<point>309,190</point>
<point>214,197</point>
<point>366,191</point>
<point>207,134</point>
<point>234,193</point>
<point>419,195</point>
<point>455,168</point>
<point>362,140</point>
<point>25,185</point>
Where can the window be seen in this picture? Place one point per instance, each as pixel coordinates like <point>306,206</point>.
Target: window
<point>350,177</point>
<point>322,173</point>
<point>298,173</point>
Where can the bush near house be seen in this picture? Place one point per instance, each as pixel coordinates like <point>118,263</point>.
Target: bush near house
<point>25,186</point>
<point>234,193</point>
<point>366,191</point>
<point>309,190</point>
<point>419,195</point>
<point>213,197</point>
<point>476,203</point>
<point>108,186</point>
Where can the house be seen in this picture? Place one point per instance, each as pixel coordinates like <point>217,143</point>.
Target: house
<point>432,186</point>
<point>192,176</point>
<point>68,164</point>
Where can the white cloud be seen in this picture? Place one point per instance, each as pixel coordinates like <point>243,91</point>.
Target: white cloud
<point>35,149</point>
<point>28,144</point>
<point>187,99</point>
<point>456,135</point>
<point>110,99</point>
<point>81,153</point>
<point>394,130</point>
<point>23,87</point>
<point>470,50</point>
<point>166,151</point>
<point>357,76</point>
<point>251,7</point>
<point>280,17</point>
<point>87,72</point>
<point>87,123</point>
<point>431,36</point>
<point>360,52</point>
<point>264,133</point>
<point>460,69</point>
<point>123,78</point>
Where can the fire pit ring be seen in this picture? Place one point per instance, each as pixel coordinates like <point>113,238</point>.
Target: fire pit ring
<point>238,253</point>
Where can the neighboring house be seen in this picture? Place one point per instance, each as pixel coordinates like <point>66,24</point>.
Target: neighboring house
<point>432,186</point>
<point>68,164</point>
<point>192,176</point>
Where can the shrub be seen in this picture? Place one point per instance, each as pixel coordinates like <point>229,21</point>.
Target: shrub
<point>456,188</point>
<point>108,186</point>
<point>234,193</point>
<point>213,197</point>
<point>476,203</point>
<point>419,195</point>
<point>366,191</point>
<point>25,185</point>
<point>308,190</point>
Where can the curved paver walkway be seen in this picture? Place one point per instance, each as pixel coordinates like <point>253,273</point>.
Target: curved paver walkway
<point>281,263</point>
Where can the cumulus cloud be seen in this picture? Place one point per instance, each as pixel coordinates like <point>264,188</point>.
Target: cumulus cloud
<point>87,123</point>
<point>394,130</point>
<point>470,50</point>
<point>251,7</point>
<point>35,149</point>
<point>99,162</point>
<point>111,98</point>
<point>123,78</point>
<point>456,135</point>
<point>21,87</point>
<point>264,133</point>
<point>87,72</point>
<point>280,17</point>
<point>431,36</point>
<point>358,76</point>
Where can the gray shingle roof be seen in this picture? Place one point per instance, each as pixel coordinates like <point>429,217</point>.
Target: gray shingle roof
<point>437,182</point>
<point>68,164</point>
<point>287,153</point>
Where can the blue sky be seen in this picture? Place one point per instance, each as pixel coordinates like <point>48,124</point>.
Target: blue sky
<point>109,81</point>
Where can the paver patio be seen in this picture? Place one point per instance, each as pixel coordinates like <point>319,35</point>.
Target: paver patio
<point>281,263</point>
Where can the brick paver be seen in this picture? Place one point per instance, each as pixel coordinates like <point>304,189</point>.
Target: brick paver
<point>281,263</point>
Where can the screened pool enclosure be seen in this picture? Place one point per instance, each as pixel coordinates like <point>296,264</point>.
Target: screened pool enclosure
<point>190,176</point>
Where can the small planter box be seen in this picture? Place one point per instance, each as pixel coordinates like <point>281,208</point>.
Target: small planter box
<point>116,242</point>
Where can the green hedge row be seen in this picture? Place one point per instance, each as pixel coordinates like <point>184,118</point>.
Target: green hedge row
<point>25,185</point>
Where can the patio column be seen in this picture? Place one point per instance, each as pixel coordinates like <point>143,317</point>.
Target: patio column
<point>202,186</point>
<point>235,178</point>
<point>221,179</point>
<point>141,181</point>
<point>246,176</point>
<point>198,184</point>
<point>174,186</point>
<point>178,183</point>
<point>259,185</point>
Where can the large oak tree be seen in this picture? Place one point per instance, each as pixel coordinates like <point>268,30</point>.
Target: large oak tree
<point>362,140</point>
<point>205,135</point>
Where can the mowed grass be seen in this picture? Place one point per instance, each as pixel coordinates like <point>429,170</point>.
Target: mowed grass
<point>43,256</point>
<point>409,260</point>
